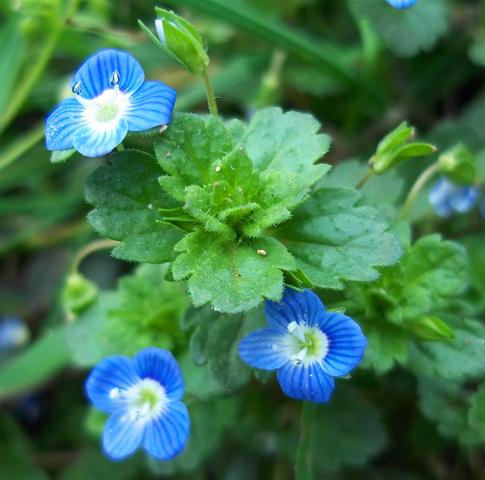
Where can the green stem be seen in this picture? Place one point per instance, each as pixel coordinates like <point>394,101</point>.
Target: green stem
<point>211,99</point>
<point>304,456</point>
<point>36,70</point>
<point>21,145</point>
<point>420,183</point>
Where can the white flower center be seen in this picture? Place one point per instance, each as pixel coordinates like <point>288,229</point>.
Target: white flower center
<point>104,112</point>
<point>146,400</point>
<point>309,344</point>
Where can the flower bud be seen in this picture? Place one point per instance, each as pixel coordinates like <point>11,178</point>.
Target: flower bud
<point>431,328</point>
<point>394,149</point>
<point>78,293</point>
<point>179,39</point>
<point>458,164</point>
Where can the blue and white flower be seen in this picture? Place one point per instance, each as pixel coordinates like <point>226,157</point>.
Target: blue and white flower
<point>143,397</point>
<point>111,98</point>
<point>401,4</point>
<point>447,197</point>
<point>307,345</point>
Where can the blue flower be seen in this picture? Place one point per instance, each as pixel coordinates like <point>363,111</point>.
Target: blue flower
<point>447,198</point>
<point>401,4</point>
<point>143,397</point>
<point>111,99</point>
<point>307,345</point>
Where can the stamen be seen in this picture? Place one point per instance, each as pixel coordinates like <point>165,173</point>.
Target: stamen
<point>115,78</point>
<point>76,88</point>
<point>292,327</point>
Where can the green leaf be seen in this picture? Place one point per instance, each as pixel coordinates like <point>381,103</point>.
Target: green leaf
<point>476,416</point>
<point>39,362</point>
<point>145,310</point>
<point>428,279</point>
<point>189,151</point>
<point>126,196</point>
<point>387,345</point>
<point>231,275</point>
<point>458,359</point>
<point>447,404</point>
<point>334,241</point>
<point>406,32</point>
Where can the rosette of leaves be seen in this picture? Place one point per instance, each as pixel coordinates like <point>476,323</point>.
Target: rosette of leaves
<point>235,208</point>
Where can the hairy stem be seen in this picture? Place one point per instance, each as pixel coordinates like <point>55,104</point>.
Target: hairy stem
<point>211,99</point>
<point>304,456</point>
<point>91,248</point>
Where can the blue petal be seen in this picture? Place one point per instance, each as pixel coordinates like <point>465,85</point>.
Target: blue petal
<point>166,436</point>
<point>401,4</point>
<point>122,435</point>
<point>150,106</point>
<point>62,123</point>
<point>112,372</point>
<point>346,346</point>
<point>266,348</point>
<point>301,307</point>
<point>160,365</point>
<point>463,199</point>
<point>306,382</point>
<point>96,73</point>
<point>439,197</point>
<point>91,142</point>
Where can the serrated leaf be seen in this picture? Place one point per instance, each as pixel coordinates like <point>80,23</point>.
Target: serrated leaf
<point>231,275</point>
<point>189,152</point>
<point>428,279</point>
<point>334,241</point>
<point>288,142</point>
<point>409,31</point>
<point>126,196</point>
<point>387,345</point>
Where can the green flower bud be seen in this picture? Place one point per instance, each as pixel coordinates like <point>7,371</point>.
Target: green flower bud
<point>394,149</point>
<point>431,328</point>
<point>179,39</point>
<point>78,293</point>
<point>458,164</point>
